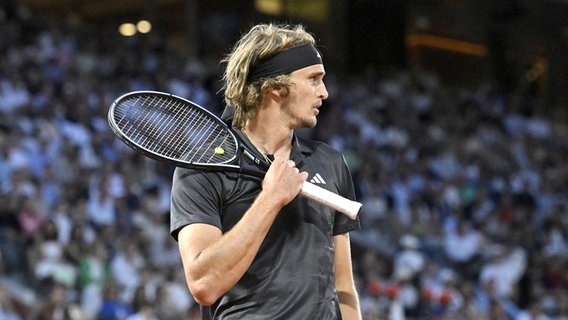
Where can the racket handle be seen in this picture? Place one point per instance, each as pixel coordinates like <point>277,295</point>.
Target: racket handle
<point>348,207</point>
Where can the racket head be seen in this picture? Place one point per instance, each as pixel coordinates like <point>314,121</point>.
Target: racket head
<point>172,129</point>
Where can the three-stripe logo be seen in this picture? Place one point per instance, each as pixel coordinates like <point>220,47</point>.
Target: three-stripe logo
<point>317,179</point>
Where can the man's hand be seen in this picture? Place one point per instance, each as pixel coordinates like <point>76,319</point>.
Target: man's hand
<point>283,181</point>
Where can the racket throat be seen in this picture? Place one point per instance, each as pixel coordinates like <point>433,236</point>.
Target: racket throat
<point>254,160</point>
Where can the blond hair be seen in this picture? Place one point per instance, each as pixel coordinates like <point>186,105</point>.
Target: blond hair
<point>262,41</point>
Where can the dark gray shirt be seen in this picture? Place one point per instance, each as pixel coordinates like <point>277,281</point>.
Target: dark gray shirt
<point>292,276</point>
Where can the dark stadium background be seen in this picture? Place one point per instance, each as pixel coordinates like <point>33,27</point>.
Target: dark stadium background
<point>449,113</point>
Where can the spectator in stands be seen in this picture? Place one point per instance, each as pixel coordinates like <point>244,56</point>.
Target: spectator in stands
<point>502,270</point>
<point>463,246</point>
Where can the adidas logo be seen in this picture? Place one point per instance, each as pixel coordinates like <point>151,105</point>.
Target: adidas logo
<point>317,179</point>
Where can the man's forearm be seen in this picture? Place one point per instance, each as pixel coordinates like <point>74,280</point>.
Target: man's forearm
<point>349,305</point>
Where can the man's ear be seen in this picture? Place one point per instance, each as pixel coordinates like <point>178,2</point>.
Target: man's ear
<point>283,90</point>
<point>276,92</point>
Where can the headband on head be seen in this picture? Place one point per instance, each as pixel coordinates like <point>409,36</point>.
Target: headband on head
<point>285,62</point>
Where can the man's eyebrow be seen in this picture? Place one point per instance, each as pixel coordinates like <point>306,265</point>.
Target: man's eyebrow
<point>317,73</point>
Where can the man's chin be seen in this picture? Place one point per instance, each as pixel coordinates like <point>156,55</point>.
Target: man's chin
<point>310,123</point>
<point>306,123</point>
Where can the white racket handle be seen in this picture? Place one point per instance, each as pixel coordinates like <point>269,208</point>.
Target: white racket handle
<point>348,207</point>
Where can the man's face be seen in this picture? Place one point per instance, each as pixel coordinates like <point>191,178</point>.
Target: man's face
<point>306,95</point>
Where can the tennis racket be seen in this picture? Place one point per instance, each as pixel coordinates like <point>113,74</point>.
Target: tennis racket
<point>176,131</point>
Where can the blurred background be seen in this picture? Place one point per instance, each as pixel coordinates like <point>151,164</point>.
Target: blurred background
<point>451,115</point>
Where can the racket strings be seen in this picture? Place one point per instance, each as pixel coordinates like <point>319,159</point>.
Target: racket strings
<point>198,138</point>
<point>175,129</point>
<point>178,123</point>
<point>208,132</point>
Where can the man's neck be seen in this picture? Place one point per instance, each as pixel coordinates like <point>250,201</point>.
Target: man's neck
<point>269,138</point>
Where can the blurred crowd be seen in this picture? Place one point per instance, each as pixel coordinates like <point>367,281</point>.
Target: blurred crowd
<point>464,188</point>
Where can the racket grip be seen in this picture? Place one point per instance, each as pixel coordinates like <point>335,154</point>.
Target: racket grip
<point>348,207</point>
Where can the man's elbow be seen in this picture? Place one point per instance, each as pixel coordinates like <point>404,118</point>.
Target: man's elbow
<point>205,294</point>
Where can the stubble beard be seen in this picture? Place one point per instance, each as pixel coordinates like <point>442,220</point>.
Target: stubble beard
<point>308,123</point>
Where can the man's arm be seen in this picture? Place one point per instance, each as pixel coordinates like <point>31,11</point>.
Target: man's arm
<point>214,262</point>
<point>344,280</point>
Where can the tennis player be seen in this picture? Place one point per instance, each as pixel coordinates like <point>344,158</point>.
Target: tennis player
<point>255,249</point>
